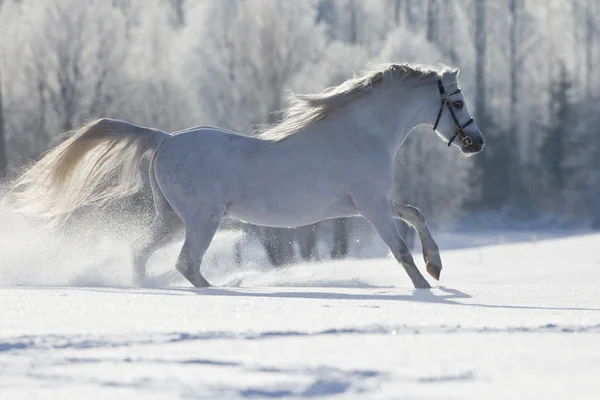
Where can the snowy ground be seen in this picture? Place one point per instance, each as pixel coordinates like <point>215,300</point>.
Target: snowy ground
<point>516,320</point>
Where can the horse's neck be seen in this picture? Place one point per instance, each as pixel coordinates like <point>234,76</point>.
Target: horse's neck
<point>393,118</point>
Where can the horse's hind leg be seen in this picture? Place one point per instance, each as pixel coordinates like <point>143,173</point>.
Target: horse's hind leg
<point>163,229</point>
<point>200,228</point>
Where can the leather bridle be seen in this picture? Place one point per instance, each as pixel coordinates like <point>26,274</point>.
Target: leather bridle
<point>465,139</point>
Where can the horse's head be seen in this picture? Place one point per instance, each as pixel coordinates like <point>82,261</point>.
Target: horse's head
<point>454,123</point>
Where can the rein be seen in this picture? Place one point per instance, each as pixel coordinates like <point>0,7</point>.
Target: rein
<point>466,140</point>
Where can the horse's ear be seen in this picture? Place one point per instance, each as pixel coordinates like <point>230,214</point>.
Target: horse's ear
<point>451,76</point>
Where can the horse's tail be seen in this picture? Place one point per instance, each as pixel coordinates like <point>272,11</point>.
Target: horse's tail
<point>98,163</point>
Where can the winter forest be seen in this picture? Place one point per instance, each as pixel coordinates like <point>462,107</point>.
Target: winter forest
<point>527,68</point>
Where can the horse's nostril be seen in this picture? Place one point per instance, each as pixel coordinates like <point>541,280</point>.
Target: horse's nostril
<point>480,141</point>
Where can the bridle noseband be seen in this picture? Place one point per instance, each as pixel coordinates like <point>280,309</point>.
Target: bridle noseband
<point>466,140</point>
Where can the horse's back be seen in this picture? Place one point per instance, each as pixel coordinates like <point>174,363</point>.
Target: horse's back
<point>203,128</point>
<point>193,163</point>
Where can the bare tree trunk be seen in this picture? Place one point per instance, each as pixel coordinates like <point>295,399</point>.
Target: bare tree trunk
<point>353,34</point>
<point>411,15</point>
<point>340,246</point>
<point>589,46</point>
<point>515,7</point>
<point>480,57</point>
<point>576,10</point>
<point>42,141</point>
<point>398,12</point>
<point>432,21</point>
<point>3,159</point>
<point>279,245</point>
<point>489,176</point>
<point>178,12</point>
<point>513,47</point>
<point>306,237</point>
<point>447,35</point>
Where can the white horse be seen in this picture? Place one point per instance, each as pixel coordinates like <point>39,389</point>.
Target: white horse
<point>331,156</point>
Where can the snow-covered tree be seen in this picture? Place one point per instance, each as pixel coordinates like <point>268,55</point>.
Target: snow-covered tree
<point>177,63</point>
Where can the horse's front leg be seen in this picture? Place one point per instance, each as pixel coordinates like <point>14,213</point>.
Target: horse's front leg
<point>379,214</point>
<point>431,253</point>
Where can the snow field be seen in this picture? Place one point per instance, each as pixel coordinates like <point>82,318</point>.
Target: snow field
<point>519,320</point>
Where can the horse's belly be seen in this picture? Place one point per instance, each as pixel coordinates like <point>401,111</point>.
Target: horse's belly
<point>286,211</point>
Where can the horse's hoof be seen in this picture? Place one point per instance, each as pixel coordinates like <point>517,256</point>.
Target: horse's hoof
<point>434,271</point>
<point>200,283</point>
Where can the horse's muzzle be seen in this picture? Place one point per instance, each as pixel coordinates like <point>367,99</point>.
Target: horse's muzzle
<point>472,145</point>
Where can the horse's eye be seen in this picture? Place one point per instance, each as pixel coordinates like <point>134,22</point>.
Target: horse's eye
<point>458,105</point>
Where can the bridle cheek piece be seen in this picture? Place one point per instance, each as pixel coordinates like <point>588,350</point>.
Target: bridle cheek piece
<point>465,139</point>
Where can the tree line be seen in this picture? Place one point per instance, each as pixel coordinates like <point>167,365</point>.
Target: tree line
<point>527,69</point>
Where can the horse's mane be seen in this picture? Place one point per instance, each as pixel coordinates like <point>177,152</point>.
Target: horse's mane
<point>306,109</point>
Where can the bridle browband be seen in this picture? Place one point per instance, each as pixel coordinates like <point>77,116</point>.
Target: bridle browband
<point>466,140</point>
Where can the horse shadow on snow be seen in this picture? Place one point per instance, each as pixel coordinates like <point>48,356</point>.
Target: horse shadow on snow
<point>448,296</point>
